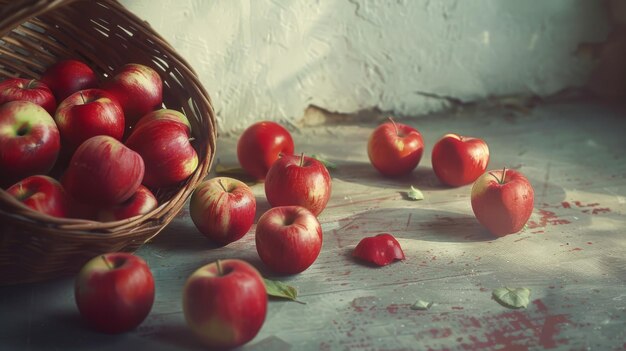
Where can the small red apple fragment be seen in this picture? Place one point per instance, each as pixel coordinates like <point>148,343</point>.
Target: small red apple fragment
<point>380,250</point>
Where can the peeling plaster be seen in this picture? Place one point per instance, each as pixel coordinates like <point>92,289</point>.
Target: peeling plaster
<point>264,59</point>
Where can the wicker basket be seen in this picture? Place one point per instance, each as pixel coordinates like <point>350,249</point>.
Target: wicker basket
<point>105,35</point>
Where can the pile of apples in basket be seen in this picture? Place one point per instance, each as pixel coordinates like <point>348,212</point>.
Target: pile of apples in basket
<point>110,143</point>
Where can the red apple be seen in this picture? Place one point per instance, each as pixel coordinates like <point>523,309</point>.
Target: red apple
<point>298,181</point>
<point>225,303</point>
<point>88,113</point>
<point>138,88</point>
<point>380,250</point>
<point>502,201</point>
<point>260,146</point>
<point>166,150</point>
<point>142,202</point>
<point>103,172</point>
<point>223,209</point>
<point>19,89</point>
<point>114,292</point>
<point>69,76</point>
<point>29,141</point>
<point>164,114</point>
<point>288,239</point>
<point>395,149</point>
<point>459,160</point>
<point>43,194</point>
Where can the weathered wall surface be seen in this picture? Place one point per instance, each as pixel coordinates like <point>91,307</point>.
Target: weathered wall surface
<point>264,59</point>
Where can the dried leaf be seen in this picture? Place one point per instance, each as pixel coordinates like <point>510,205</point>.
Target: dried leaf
<point>415,194</point>
<point>328,164</point>
<point>279,289</point>
<point>512,297</point>
<point>421,305</point>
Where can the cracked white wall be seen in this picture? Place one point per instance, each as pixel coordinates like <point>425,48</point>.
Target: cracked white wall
<point>264,59</point>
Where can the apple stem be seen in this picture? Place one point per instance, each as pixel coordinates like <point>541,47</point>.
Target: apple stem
<point>107,262</point>
<point>82,97</point>
<point>301,159</point>
<point>503,175</point>
<point>395,126</point>
<point>220,272</point>
<point>30,84</point>
<point>222,185</point>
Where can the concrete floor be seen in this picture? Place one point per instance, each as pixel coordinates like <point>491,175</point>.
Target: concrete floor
<point>571,255</point>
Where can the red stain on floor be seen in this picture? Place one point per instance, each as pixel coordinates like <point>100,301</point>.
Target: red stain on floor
<point>547,218</point>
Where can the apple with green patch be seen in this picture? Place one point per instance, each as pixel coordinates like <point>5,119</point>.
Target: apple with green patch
<point>20,89</point>
<point>29,141</point>
<point>42,194</point>
<point>223,209</point>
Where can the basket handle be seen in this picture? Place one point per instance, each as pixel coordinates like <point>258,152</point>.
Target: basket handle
<point>15,12</point>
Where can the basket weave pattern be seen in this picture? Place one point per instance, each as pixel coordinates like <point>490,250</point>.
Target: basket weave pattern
<point>105,35</point>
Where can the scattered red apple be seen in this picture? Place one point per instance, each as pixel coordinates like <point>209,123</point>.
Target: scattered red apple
<point>288,239</point>
<point>459,160</point>
<point>142,202</point>
<point>29,141</point>
<point>225,303</point>
<point>114,292</point>
<point>88,113</point>
<point>395,149</point>
<point>19,89</point>
<point>103,172</point>
<point>223,209</point>
<point>298,181</point>
<point>166,150</point>
<point>67,77</point>
<point>380,250</point>
<point>502,201</point>
<point>43,194</point>
<point>138,88</point>
<point>260,145</point>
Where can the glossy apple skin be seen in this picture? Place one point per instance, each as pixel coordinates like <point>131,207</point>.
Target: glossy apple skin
<point>260,145</point>
<point>166,150</point>
<point>114,296</point>
<point>103,172</point>
<point>223,209</point>
<point>225,310</point>
<point>19,89</point>
<point>43,194</point>
<point>380,250</point>
<point>459,160</point>
<point>67,77</point>
<point>142,202</point>
<point>502,208</point>
<point>29,141</point>
<point>298,181</point>
<point>138,88</point>
<point>395,153</point>
<point>288,239</point>
<point>88,113</point>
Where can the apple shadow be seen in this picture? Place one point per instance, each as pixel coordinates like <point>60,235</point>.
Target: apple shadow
<point>177,335</point>
<point>364,173</point>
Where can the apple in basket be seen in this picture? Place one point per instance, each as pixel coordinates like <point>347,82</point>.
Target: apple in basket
<point>29,141</point>
<point>19,89</point>
<point>164,144</point>
<point>67,77</point>
<point>138,88</point>
<point>260,145</point>
<point>225,303</point>
<point>103,172</point>
<point>142,202</point>
<point>43,194</point>
<point>88,113</point>
<point>114,292</point>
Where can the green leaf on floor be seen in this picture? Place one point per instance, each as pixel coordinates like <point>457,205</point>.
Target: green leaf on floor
<point>328,164</point>
<point>512,297</point>
<point>421,305</point>
<point>415,194</point>
<point>279,289</point>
